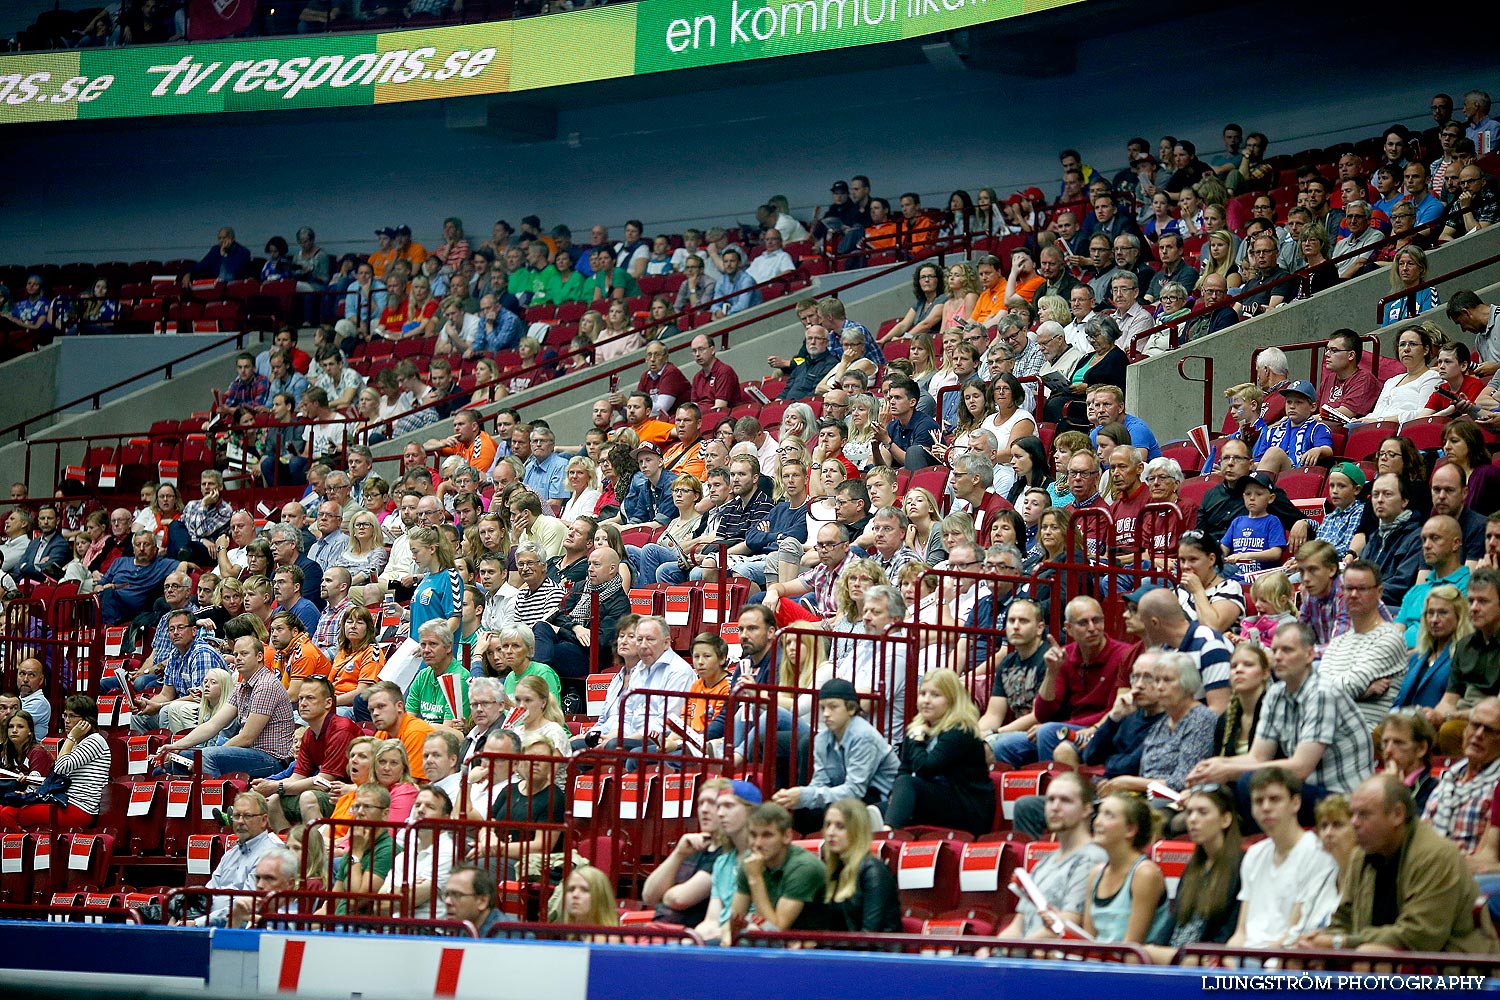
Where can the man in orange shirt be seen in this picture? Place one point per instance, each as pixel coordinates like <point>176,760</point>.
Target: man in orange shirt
<point>385,255</point>
<point>685,456</point>
<point>881,233</point>
<point>388,712</point>
<point>412,253</point>
<point>918,230</point>
<point>470,443</point>
<point>638,416</point>
<point>1023,279</point>
<point>991,304</point>
<point>296,656</point>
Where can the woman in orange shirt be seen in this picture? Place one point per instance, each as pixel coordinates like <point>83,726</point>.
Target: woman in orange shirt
<point>359,660</point>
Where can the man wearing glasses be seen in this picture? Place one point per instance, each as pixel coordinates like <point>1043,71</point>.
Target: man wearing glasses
<point>263,743</point>
<point>817,583</point>
<point>187,663</point>
<point>371,850</point>
<point>177,595</point>
<point>470,895</point>
<point>1346,392</point>
<point>1476,206</point>
<point>1225,501</point>
<point>1361,235</point>
<point>236,870</point>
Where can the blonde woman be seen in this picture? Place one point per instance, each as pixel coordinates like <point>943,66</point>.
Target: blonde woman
<point>1445,622</point>
<point>1219,259</point>
<point>924,531</point>
<point>963,293</point>
<point>359,764</point>
<point>1054,309</point>
<point>589,901</point>
<point>921,355</point>
<point>486,380</point>
<point>366,555</point>
<point>945,777</point>
<point>583,492</point>
<point>542,716</point>
<point>421,309</point>
<point>619,337</point>
<point>862,449</point>
<point>392,769</point>
<point>861,891</point>
<point>186,713</point>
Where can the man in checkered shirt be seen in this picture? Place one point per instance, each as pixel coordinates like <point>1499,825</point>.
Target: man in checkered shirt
<point>262,745</point>
<point>1311,729</point>
<point>1459,807</point>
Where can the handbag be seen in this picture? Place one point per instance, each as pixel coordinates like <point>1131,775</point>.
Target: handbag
<point>52,791</point>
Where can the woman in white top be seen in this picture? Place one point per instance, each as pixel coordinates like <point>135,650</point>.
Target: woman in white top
<point>821,510</point>
<point>583,496</point>
<point>1009,423</point>
<point>1408,392</point>
<point>542,715</point>
<point>862,449</point>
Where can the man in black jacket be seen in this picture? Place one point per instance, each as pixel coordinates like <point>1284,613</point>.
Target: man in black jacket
<point>807,372</point>
<point>1225,502</point>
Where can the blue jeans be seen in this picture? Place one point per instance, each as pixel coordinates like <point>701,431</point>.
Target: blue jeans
<point>568,658</point>
<point>219,761</point>
<point>646,560</point>
<point>148,682</point>
<point>1017,751</point>
<point>1490,886</point>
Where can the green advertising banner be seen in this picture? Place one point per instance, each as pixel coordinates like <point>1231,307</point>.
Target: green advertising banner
<point>497,57</point>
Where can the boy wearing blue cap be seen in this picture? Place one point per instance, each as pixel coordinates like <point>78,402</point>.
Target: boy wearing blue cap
<point>1298,440</point>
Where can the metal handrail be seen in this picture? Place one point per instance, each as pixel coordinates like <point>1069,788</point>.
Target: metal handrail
<point>1433,283</point>
<point>1178,324</point>
<point>93,398</point>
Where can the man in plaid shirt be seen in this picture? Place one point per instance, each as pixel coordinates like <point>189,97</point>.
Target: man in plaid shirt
<point>187,662</point>
<point>335,591</point>
<point>1311,729</point>
<point>249,388</point>
<point>1459,807</point>
<point>262,746</point>
<point>833,556</point>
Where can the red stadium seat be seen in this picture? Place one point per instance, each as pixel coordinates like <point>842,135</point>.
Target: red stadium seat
<point>1425,432</point>
<point>1194,488</point>
<point>1303,484</point>
<point>1364,441</point>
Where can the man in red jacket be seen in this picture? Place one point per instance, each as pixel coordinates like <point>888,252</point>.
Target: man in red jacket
<point>1079,685</point>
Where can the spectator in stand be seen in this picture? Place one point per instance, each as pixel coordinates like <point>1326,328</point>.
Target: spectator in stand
<point>1297,440</point>
<point>1306,727</point>
<point>1460,807</point>
<point>563,640</point>
<point>861,890</point>
<point>681,886</point>
<point>715,384</point>
<point>1406,888</point>
<point>735,287</point>
<point>1396,545</point>
<point>1164,625</point>
<point>227,260</point>
<point>83,760</point>
<point>1408,271</point>
<point>944,780</point>
<point>1428,207</point>
<point>1288,883</point>
<point>1475,665</point>
<point>1347,391</point>
<point>1078,684</point>
<point>1358,214</point>
<point>851,760</point>
<point>248,387</point>
<point>1476,207</point>
<point>1127,899</point>
<point>1207,905</point>
<point>131,586</point>
<point>45,555</point>
<point>776,877</point>
<point>1062,875</point>
<point>1368,660</point>
<point>263,743</point>
<point>1225,501</point>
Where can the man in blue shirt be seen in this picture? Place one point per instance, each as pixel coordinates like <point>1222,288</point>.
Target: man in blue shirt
<point>1106,405</point>
<point>132,585</point>
<point>650,498</point>
<point>1428,207</point>
<point>499,329</point>
<point>546,470</point>
<point>736,282</point>
<point>908,434</point>
<point>226,260</point>
<point>288,589</point>
<point>1298,440</point>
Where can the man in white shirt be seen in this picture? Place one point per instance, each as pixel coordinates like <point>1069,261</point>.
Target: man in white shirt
<point>1081,302</point>
<point>773,260</point>
<point>772,217</point>
<point>660,669</point>
<point>1288,883</point>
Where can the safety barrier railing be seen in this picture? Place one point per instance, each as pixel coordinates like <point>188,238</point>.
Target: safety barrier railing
<point>655,934</point>
<point>1314,350</point>
<point>347,921</point>
<point>1181,323</point>
<point>64,633</point>
<point>948,944</point>
<point>71,913</point>
<point>1410,294</point>
<point>194,904</point>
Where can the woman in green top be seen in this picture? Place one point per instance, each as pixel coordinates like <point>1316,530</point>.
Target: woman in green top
<point>508,656</point>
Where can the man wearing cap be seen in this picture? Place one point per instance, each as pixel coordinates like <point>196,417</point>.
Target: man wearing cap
<point>842,210</point>
<point>1298,440</point>
<point>650,498</point>
<point>733,806</point>
<point>850,760</point>
<point>412,253</point>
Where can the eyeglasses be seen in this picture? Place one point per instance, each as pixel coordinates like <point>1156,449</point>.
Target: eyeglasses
<point>243,817</point>
<point>825,546</point>
<point>1490,731</point>
<point>455,894</point>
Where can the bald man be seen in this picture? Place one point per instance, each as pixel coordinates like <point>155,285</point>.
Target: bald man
<point>565,639</point>
<point>31,683</point>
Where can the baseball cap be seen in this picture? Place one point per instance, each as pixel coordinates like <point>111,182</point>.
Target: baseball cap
<point>1134,597</point>
<point>402,231</point>
<point>745,790</point>
<point>1015,199</point>
<point>840,187</point>
<point>838,689</point>
<point>1301,387</point>
<point>1354,473</point>
<point>532,221</point>
<point>1261,478</point>
<point>387,231</point>
<point>1034,194</point>
<point>648,446</point>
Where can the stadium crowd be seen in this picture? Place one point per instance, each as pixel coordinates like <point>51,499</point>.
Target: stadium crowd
<point>949,535</point>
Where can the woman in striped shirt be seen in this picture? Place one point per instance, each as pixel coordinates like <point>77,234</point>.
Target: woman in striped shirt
<point>84,760</point>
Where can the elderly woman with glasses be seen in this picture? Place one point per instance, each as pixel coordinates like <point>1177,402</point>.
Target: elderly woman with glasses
<point>1173,305</point>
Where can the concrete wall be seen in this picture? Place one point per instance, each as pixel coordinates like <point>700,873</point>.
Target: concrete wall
<point>1172,406</point>
<point>30,383</point>
<point>189,389</point>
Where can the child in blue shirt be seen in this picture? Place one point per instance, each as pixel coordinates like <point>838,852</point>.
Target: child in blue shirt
<point>1255,540</point>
